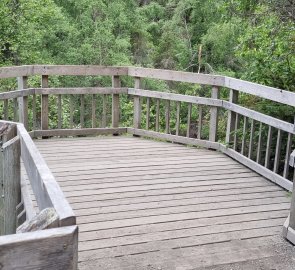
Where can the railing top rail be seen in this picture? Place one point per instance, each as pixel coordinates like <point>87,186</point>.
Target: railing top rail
<point>271,93</point>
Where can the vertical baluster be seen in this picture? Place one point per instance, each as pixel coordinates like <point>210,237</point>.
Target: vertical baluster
<point>200,122</point>
<point>71,111</point>
<point>278,152</point>
<point>44,104</point>
<point>15,110</point>
<point>116,103</point>
<point>287,157</point>
<point>93,110</point>
<point>148,100</point>
<point>157,115</point>
<point>5,113</point>
<point>34,108</point>
<point>23,102</point>
<point>233,98</point>
<point>82,107</point>
<point>237,122</point>
<point>259,145</point>
<point>104,111</point>
<point>244,135</point>
<point>167,117</point>
<point>268,147</point>
<point>189,114</point>
<point>59,112</point>
<point>177,118</point>
<point>251,142</point>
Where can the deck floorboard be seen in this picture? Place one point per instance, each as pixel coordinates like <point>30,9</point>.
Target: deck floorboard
<point>150,205</point>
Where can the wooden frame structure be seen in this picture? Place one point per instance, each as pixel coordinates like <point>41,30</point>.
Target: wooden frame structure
<point>248,148</point>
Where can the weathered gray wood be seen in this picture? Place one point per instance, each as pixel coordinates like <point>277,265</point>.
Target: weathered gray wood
<point>287,157</point>
<point>46,219</point>
<point>170,75</point>
<point>104,111</point>
<point>237,123</point>
<point>71,111</point>
<point>27,200</point>
<point>158,115</point>
<point>245,127</point>
<point>34,112</point>
<point>231,120</point>
<point>116,103</point>
<point>214,116</point>
<point>167,117</point>
<point>44,104</point>
<point>251,141</point>
<point>5,109</point>
<point>189,115</point>
<point>93,111</point>
<point>137,105</point>
<point>11,195</point>
<point>178,104</point>
<point>23,102</point>
<point>278,152</point>
<point>286,184</point>
<point>79,132</point>
<point>292,209</point>
<point>271,121</point>
<point>77,70</point>
<point>177,97</point>
<point>147,125</point>
<point>16,94</point>
<point>82,110</point>
<point>15,110</point>
<point>172,138</point>
<point>81,90</point>
<point>259,145</point>
<point>46,190</point>
<point>200,122</point>
<point>268,147</point>
<point>59,112</point>
<point>48,249</point>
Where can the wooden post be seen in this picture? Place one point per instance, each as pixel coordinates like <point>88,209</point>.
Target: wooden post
<point>44,104</point>
<point>292,210</point>
<point>116,103</point>
<point>22,83</point>
<point>214,116</point>
<point>233,98</point>
<point>137,106</point>
<point>10,183</point>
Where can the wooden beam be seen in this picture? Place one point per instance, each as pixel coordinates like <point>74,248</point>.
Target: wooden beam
<point>116,103</point>
<point>214,116</point>
<point>137,105</point>
<point>233,98</point>
<point>23,101</point>
<point>47,249</point>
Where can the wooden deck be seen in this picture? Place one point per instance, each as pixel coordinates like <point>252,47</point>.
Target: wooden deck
<point>144,204</point>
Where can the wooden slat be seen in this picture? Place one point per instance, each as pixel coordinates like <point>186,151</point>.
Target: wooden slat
<point>245,127</point>
<point>82,110</point>
<point>158,115</point>
<point>177,127</point>
<point>251,141</point>
<point>259,145</point>
<point>59,112</point>
<point>147,126</point>
<point>236,128</point>
<point>34,112</point>
<point>287,157</point>
<point>44,104</point>
<point>71,111</point>
<point>93,111</point>
<point>104,111</point>
<point>189,115</point>
<point>231,120</point>
<point>15,110</point>
<point>167,117</point>
<point>137,105</point>
<point>278,152</point>
<point>23,102</point>
<point>116,89</point>
<point>116,83</point>
<point>200,122</point>
<point>5,109</point>
<point>268,147</point>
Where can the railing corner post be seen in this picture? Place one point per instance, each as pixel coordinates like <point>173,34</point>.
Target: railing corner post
<point>215,93</point>
<point>137,105</point>
<point>22,83</point>
<point>116,83</point>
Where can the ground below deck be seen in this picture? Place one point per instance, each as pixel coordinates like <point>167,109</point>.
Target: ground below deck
<point>148,205</point>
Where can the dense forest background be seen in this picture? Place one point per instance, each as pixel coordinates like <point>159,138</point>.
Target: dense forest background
<point>249,39</point>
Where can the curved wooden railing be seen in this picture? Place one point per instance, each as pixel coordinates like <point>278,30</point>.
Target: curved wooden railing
<point>259,141</point>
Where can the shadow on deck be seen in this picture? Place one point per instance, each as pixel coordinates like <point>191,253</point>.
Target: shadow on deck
<point>144,204</point>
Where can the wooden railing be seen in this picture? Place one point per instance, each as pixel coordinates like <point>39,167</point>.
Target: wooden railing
<point>259,141</point>
<point>17,206</point>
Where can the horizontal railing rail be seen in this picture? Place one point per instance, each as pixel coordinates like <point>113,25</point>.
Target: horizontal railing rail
<point>259,141</point>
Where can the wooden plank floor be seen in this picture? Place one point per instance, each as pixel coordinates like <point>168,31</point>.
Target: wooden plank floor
<point>143,204</point>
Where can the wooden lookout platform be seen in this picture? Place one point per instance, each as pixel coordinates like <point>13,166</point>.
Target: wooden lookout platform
<point>144,204</point>
<point>124,177</point>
